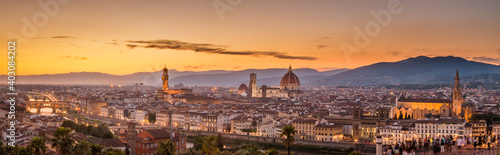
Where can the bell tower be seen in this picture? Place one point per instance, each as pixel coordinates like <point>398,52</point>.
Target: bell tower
<point>253,85</point>
<point>164,78</point>
<point>457,97</point>
<point>131,134</point>
<point>356,123</point>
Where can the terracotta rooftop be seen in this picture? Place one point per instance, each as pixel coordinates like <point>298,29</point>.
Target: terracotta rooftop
<point>158,133</point>
<point>425,100</point>
<point>304,121</point>
<point>328,126</point>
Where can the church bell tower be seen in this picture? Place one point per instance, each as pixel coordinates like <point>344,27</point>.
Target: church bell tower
<point>457,97</point>
<point>253,85</point>
<point>131,135</point>
<point>164,78</point>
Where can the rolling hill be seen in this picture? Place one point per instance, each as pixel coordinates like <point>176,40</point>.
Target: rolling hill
<point>417,70</point>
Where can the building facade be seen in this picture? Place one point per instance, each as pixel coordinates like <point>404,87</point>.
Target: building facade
<point>327,132</point>
<point>419,108</point>
<point>306,128</point>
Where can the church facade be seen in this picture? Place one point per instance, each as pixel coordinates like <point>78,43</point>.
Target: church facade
<point>409,108</point>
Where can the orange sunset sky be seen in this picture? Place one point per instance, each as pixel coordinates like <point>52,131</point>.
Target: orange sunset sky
<point>128,36</point>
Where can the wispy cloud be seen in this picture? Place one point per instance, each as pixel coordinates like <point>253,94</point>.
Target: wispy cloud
<point>395,53</point>
<point>322,42</point>
<point>131,46</point>
<point>62,40</point>
<point>207,48</point>
<point>62,37</point>
<point>57,37</point>
<point>73,57</point>
<point>323,38</point>
<point>487,59</point>
<point>321,46</point>
<point>193,67</point>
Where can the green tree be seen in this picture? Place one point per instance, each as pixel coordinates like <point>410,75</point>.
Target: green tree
<point>152,117</point>
<point>220,143</point>
<point>127,151</point>
<point>191,151</point>
<point>355,153</point>
<point>428,115</point>
<point>88,129</point>
<point>96,149</point>
<point>62,140</point>
<point>406,116</point>
<point>254,124</point>
<point>166,148</point>
<point>38,145</point>
<point>82,148</point>
<point>2,149</point>
<point>253,150</point>
<point>198,142</point>
<point>400,115</point>
<point>226,152</point>
<point>288,133</point>
<point>8,148</point>
<point>19,150</point>
<point>104,131</point>
<point>101,131</point>
<point>242,152</point>
<point>112,151</point>
<point>68,123</point>
<point>272,152</point>
<point>210,146</point>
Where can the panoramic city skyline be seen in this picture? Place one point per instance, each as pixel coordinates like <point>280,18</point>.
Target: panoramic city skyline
<point>228,77</point>
<point>128,37</point>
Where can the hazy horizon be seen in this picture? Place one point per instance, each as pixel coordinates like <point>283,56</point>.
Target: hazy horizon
<point>230,70</point>
<point>125,37</point>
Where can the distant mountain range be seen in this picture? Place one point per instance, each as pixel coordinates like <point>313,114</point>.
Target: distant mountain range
<point>203,78</point>
<point>418,70</point>
<point>269,77</point>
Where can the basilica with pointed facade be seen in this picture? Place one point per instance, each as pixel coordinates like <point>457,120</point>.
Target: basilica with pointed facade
<point>412,108</point>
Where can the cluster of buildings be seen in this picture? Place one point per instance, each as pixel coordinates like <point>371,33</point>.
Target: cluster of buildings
<point>146,115</point>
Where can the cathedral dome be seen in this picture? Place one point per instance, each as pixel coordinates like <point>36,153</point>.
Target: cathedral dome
<point>290,80</point>
<point>242,88</point>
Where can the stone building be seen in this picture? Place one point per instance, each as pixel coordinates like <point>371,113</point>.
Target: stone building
<point>414,108</point>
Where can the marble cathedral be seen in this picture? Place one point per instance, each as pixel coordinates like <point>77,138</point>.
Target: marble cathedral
<point>419,108</point>
<point>289,87</point>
